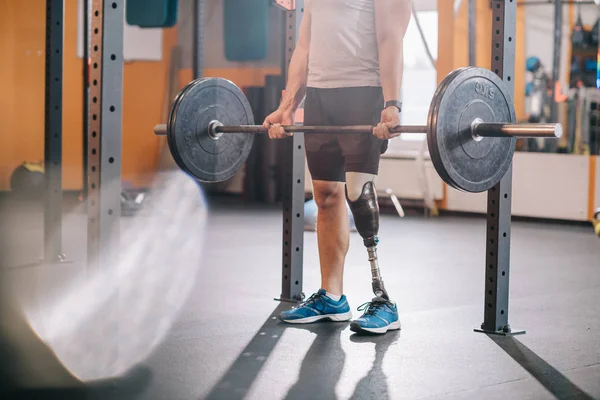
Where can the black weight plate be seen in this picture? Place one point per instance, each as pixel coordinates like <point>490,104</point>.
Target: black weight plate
<point>195,152</point>
<point>462,161</point>
<point>435,104</point>
<point>172,116</point>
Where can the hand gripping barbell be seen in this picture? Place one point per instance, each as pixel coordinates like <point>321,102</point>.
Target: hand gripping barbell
<point>471,129</point>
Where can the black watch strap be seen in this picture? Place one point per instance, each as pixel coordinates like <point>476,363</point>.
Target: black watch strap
<point>394,103</point>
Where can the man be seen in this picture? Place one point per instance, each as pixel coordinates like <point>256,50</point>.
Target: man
<point>348,64</point>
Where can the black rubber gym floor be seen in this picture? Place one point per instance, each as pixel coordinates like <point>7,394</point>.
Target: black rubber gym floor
<point>196,311</point>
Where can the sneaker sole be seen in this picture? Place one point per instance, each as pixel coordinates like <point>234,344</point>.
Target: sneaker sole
<point>394,326</point>
<point>333,317</point>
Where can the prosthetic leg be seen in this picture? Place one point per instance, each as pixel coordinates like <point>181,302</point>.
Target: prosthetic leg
<point>362,199</point>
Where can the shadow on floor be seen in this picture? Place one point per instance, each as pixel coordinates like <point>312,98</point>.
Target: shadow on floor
<point>374,385</point>
<point>321,368</point>
<point>554,381</point>
<point>236,382</point>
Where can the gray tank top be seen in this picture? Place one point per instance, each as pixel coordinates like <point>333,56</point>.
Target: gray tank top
<point>343,45</point>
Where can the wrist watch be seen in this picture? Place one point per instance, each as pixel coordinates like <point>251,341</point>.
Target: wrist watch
<point>393,103</point>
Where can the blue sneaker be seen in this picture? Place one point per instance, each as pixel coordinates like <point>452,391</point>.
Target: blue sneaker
<point>318,307</point>
<point>380,316</point>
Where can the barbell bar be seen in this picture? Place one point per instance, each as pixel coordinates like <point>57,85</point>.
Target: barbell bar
<point>479,129</point>
<point>471,129</point>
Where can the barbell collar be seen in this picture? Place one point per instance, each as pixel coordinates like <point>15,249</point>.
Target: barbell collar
<point>484,129</point>
<point>160,130</point>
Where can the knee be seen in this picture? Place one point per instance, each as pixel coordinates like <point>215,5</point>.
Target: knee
<point>328,195</point>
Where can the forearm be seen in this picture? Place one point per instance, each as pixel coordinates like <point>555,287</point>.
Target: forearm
<point>296,84</point>
<point>392,18</point>
<point>391,65</point>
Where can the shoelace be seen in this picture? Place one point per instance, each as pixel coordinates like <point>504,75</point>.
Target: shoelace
<point>313,299</point>
<point>371,307</point>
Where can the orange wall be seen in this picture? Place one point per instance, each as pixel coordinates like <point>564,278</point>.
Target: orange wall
<point>483,45</point>
<point>22,41</point>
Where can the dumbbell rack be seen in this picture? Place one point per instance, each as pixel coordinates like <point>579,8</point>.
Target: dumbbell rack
<point>499,199</point>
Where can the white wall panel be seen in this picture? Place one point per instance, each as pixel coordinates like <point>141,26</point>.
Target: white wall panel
<point>551,186</point>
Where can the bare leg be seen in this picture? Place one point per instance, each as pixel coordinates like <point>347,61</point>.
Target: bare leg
<point>333,233</point>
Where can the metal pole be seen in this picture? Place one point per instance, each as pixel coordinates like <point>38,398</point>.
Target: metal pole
<point>499,199</point>
<point>86,88</point>
<point>198,45</point>
<point>53,132</point>
<point>558,19</point>
<point>484,129</point>
<point>472,31</point>
<point>293,184</point>
<point>104,141</point>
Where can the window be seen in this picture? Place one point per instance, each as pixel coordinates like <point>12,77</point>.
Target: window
<point>419,81</point>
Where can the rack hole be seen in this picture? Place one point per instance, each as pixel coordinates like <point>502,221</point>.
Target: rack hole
<point>112,108</point>
<point>502,312</point>
<point>113,57</point>
<point>297,248</point>
<point>110,212</point>
<point>503,273</point>
<point>94,134</point>
<point>114,5</point>
<point>111,160</point>
<point>94,151</point>
<point>491,266</point>
<point>490,305</point>
<point>504,234</point>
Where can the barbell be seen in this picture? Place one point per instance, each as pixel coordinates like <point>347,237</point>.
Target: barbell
<point>471,129</point>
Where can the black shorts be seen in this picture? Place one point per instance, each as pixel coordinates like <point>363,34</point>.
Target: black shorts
<point>330,156</point>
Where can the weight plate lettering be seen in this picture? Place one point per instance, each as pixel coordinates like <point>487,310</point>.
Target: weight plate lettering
<point>465,162</point>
